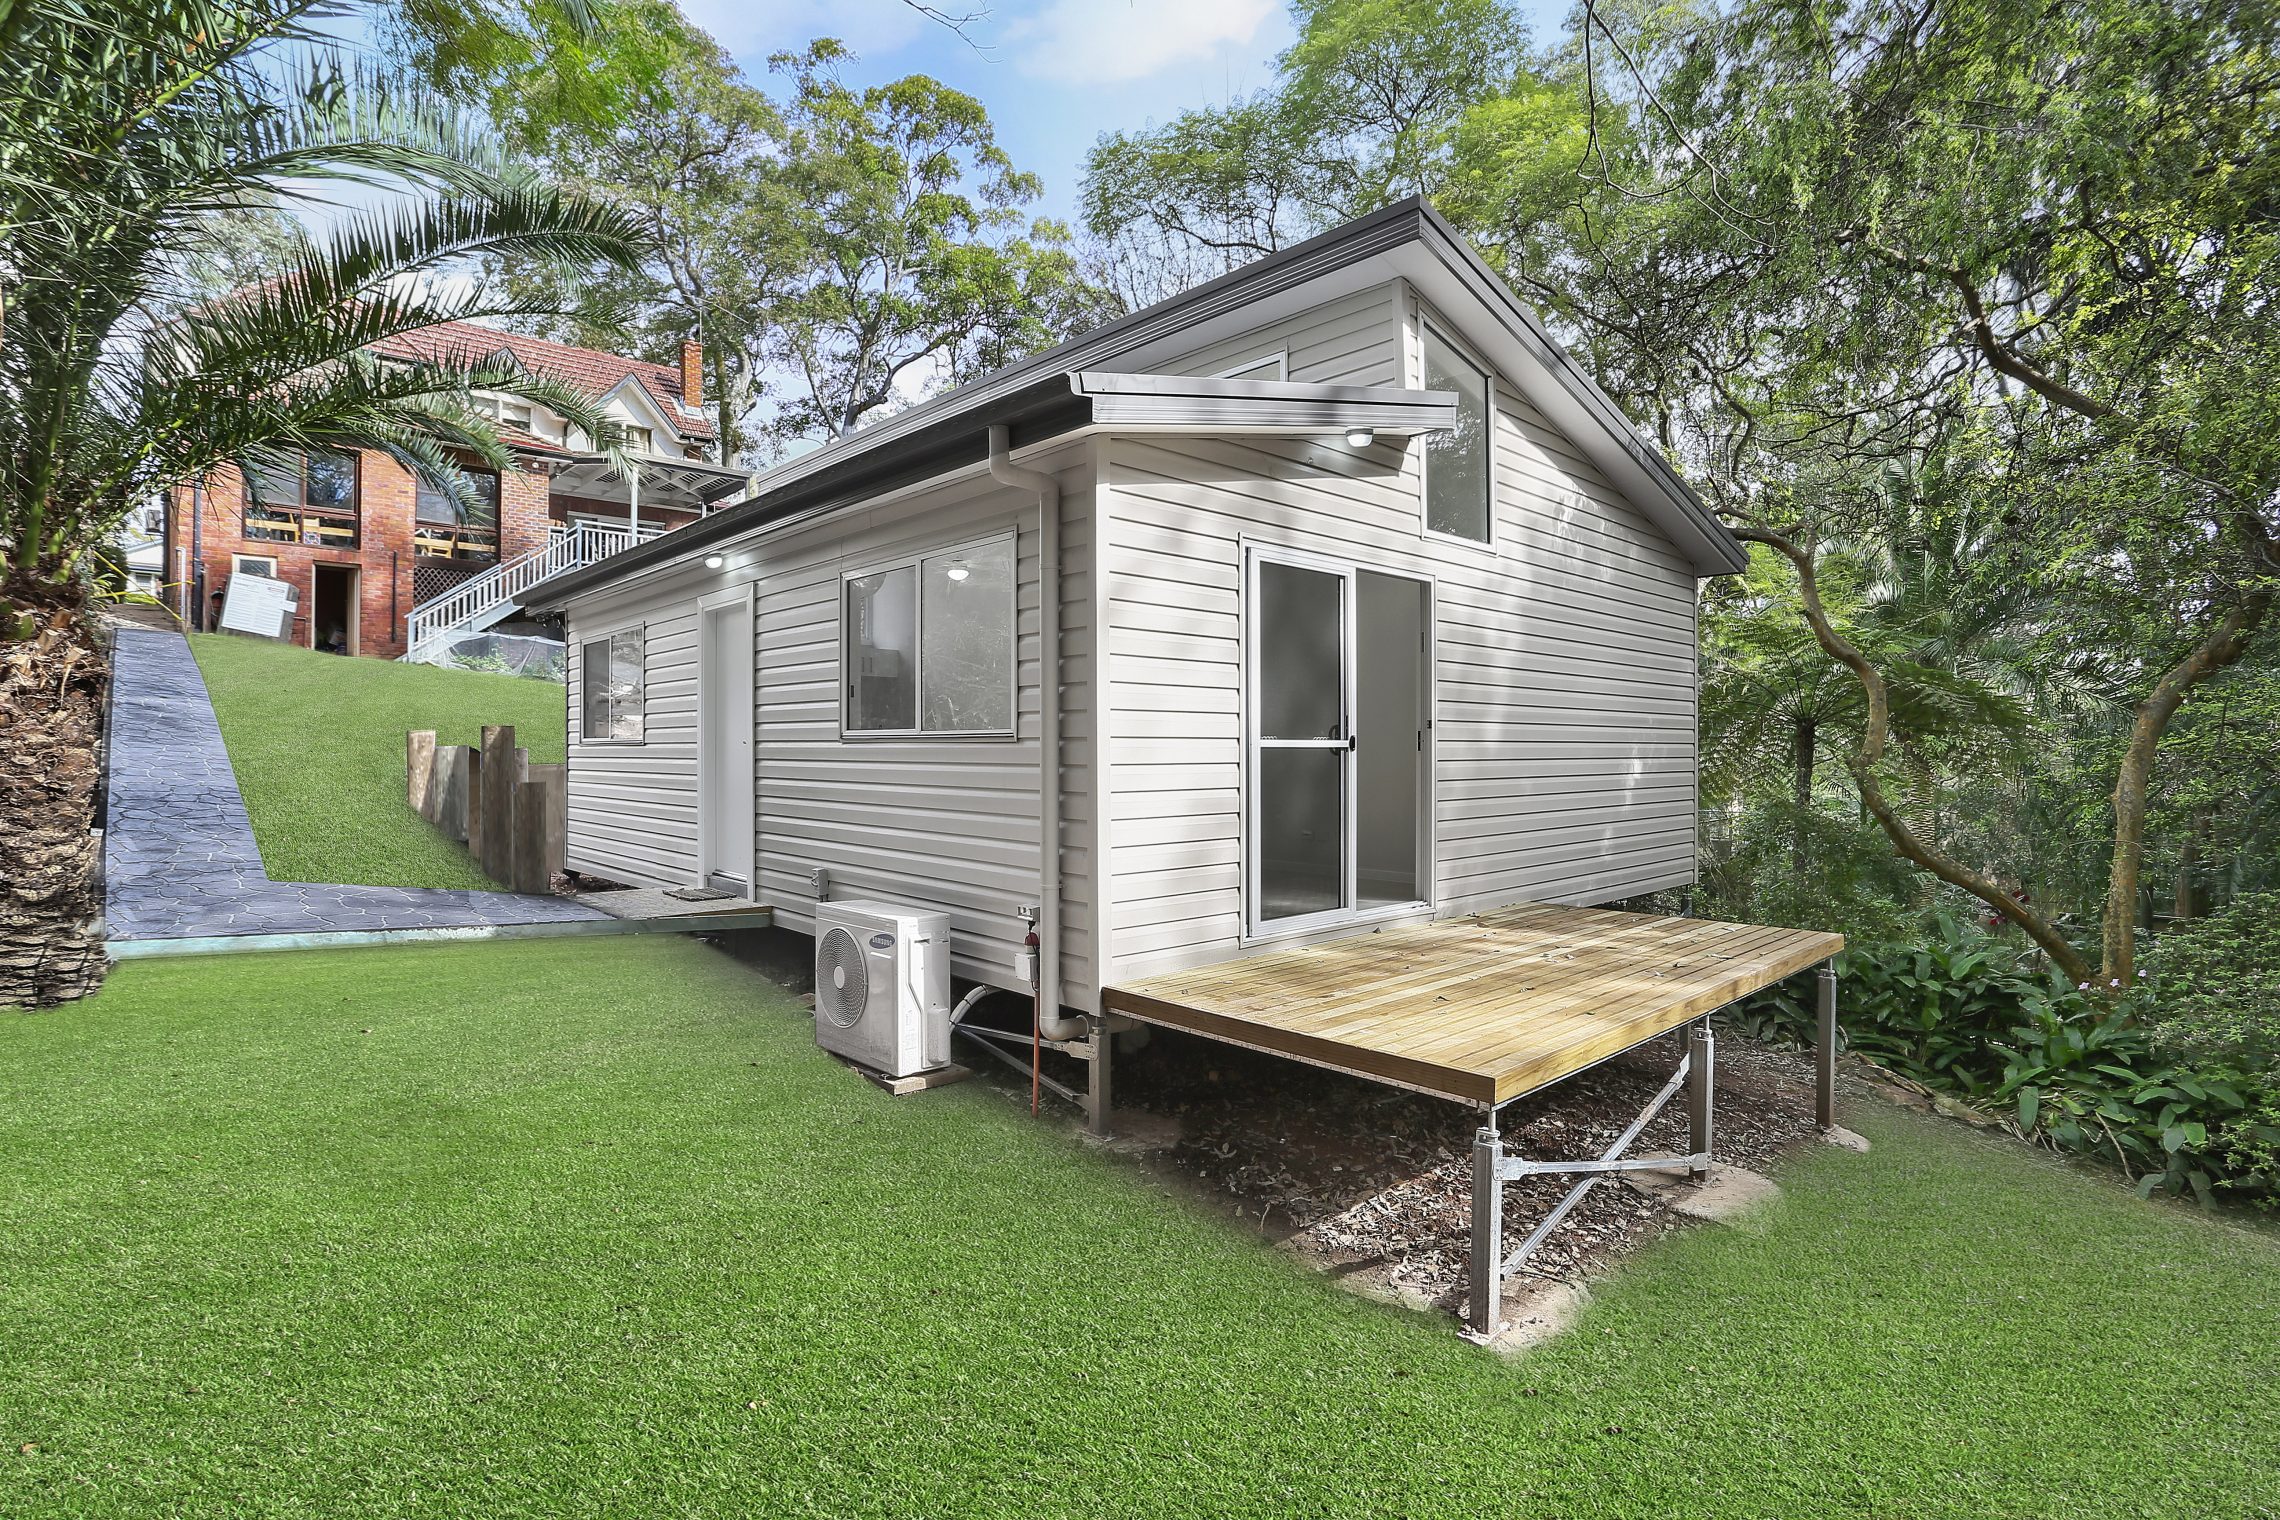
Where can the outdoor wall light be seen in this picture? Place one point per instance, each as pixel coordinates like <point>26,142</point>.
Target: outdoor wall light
<point>959,572</point>
<point>714,561</point>
<point>1361,438</point>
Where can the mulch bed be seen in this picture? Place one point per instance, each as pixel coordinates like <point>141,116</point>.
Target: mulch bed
<point>1375,1183</point>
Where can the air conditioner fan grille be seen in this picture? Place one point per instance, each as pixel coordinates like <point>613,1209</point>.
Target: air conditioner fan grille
<point>842,979</point>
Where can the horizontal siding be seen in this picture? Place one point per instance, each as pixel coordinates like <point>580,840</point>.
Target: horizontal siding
<point>947,825</point>
<point>1564,709</point>
<point>1349,341</point>
<point>633,807</point>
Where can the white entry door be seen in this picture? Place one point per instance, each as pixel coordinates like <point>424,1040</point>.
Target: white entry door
<point>1338,738</point>
<point>725,777</point>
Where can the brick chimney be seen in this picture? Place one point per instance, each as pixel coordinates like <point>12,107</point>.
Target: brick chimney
<point>692,373</point>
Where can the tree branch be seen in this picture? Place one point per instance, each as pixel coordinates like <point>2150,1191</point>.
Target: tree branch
<point>1863,764</point>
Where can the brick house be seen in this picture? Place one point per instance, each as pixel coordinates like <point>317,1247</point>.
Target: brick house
<point>368,546</point>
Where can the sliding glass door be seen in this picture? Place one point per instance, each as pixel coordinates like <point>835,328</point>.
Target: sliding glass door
<point>1335,707</point>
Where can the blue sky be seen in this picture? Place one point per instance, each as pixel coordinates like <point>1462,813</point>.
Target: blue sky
<point>1054,74</point>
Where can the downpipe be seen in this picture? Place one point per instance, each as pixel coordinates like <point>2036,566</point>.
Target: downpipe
<point>1052,1024</point>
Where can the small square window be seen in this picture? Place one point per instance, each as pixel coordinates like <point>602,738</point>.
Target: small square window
<point>611,686</point>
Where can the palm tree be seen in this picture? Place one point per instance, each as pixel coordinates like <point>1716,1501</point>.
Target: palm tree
<point>131,132</point>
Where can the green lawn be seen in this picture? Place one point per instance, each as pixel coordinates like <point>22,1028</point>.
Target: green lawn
<point>588,1228</point>
<point>317,741</point>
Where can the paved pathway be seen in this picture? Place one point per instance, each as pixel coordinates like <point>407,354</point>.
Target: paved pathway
<point>179,857</point>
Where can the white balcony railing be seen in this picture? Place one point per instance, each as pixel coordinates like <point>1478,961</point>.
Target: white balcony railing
<point>481,600</point>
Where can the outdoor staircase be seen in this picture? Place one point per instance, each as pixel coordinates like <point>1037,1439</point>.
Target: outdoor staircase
<point>482,601</point>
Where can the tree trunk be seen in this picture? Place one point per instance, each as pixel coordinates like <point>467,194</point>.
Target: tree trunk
<point>51,716</point>
<point>2192,893</point>
<point>1801,794</point>
<point>1874,735</point>
<point>2218,648</point>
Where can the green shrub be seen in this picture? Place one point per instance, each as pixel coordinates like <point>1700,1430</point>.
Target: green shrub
<point>1966,1013</point>
<point>2213,986</point>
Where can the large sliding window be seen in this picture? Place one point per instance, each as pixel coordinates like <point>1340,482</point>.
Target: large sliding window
<point>442,530</point>
<point>311,500</point>
<point>612,686</point>
<point>928,644</point>
<point>1457,481</point>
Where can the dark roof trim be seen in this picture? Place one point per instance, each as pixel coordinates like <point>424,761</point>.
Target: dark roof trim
<point>1033,396</point>
<point>952,442</point>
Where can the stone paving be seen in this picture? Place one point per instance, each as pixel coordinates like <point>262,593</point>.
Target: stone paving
<point>179,856</point>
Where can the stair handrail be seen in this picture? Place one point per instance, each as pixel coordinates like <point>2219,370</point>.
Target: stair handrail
<point>572,549</point>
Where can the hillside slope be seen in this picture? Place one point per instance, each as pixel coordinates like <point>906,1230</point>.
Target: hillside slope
<point>317,741</point>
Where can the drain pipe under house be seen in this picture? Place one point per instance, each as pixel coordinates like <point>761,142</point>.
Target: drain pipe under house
<point>1051,1023</point>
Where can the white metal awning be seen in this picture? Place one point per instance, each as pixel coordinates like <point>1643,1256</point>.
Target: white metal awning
<point>685,485</point>
<point>1205,404</point>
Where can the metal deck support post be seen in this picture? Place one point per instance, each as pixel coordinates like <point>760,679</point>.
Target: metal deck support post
<point>1100,1093</point>
<point>1487,1266</point>
<point>1825,1050</point>
<point>1701,1097</point>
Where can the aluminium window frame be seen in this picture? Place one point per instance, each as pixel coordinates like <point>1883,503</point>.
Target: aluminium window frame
<point>459,524</point>
<point>1280,359</point>
<point>1011,538</point>
<point>640,631</point>
<point>1431,328</point>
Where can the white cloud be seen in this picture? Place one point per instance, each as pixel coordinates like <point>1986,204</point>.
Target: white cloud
<point>751,29</point>
<point>1077,42</point>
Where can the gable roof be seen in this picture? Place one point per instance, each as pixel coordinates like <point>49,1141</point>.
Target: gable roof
<point>1042,396</point>
<point>589,369</point>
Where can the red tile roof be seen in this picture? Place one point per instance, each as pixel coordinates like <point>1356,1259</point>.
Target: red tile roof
<point>589,369</point>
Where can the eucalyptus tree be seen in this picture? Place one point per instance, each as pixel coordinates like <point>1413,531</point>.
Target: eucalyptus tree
<point>133,139</point>
<point>912,262</point>
<point>1861,231</point>
<point>1367,107</point>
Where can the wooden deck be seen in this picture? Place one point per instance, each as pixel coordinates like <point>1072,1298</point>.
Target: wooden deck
<point>1480,1010</point>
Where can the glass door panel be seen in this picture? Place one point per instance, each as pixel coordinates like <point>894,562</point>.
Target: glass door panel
<point>1302,659</point>
<point>1303,764</point>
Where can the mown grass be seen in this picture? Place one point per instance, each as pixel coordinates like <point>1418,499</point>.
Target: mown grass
<point>317,742</point>
<point>589,1228</point>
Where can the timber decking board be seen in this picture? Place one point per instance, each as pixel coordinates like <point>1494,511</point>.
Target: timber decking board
<point>1480,1009</point>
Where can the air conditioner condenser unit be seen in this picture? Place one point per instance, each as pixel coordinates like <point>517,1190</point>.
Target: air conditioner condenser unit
<point>882,986</point>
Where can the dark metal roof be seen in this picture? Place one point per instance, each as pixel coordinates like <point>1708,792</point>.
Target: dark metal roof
<point>1033,397</point>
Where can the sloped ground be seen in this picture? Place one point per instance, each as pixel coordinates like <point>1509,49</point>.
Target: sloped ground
<point>589,1228</point>
<point>317,742</point>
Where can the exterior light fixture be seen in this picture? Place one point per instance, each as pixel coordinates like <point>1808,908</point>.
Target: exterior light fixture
<point>714,562</point>
<point>1361,438</point>
<point>959,572</point>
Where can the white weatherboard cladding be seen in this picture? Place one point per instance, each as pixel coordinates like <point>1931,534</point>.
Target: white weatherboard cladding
<point>633,806</point>
<point>1349,340</point>
<point>949,825</point>
<point>1564,671</point>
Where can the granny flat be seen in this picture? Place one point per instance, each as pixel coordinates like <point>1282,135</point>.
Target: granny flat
<point>1328,599</point>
